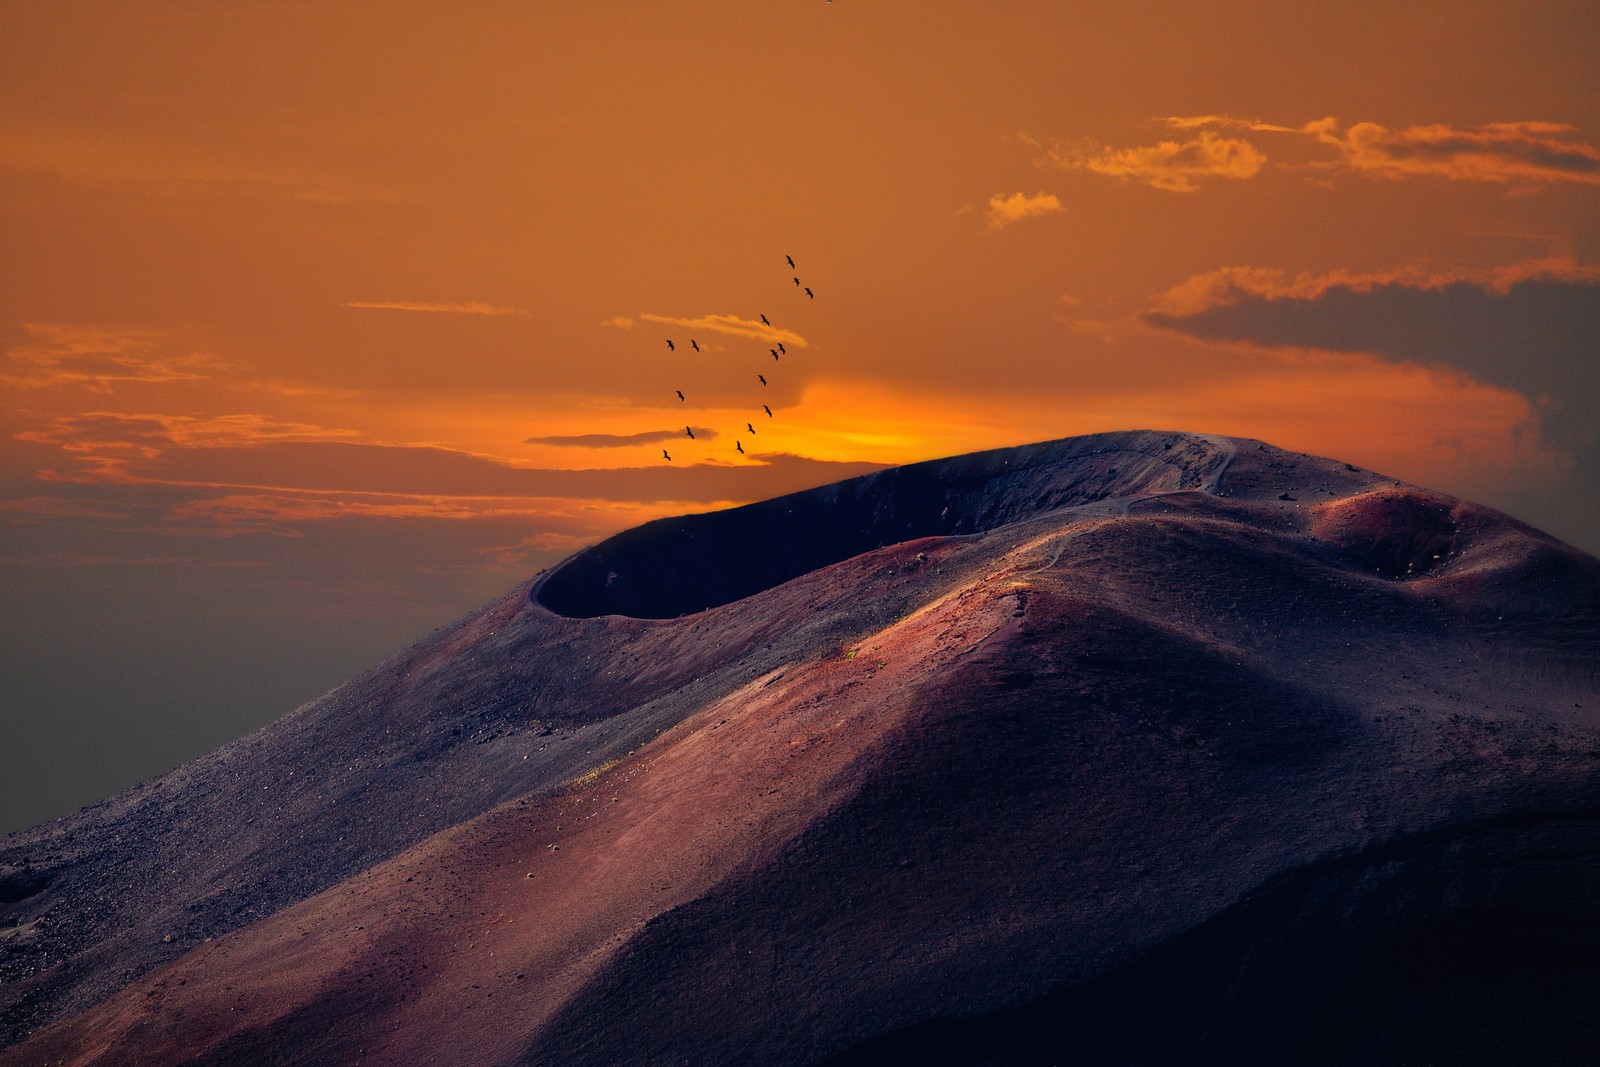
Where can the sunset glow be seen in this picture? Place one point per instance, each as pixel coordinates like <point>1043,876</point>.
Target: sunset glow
<point>325,315</point>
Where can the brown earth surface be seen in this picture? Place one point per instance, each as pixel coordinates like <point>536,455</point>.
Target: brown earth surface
<point>1129,748</point>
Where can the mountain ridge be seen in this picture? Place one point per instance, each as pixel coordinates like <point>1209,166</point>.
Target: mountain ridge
<point>1174,623</point>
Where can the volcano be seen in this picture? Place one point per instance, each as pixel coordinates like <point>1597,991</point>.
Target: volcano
<point>1128,748</point>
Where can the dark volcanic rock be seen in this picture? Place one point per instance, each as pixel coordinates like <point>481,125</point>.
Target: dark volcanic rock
<point>678,566</point>
<point>1128,748</point>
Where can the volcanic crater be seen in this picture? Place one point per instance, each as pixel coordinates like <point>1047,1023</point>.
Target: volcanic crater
<point>678,566</point>
<point>1134,747</point>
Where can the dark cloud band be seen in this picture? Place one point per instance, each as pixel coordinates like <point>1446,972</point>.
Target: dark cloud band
<point>1539,336</point>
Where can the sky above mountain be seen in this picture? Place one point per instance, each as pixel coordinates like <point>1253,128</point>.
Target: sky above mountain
<point>321,323</point>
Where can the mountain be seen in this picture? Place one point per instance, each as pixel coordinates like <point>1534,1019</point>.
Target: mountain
<point>1128,748</point>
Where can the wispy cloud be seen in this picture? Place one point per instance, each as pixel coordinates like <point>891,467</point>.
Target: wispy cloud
<point>471,307</point>
<point>99,358</point>
<point>1531,152</point>
<point>107,445</point>
<point>239,430</point>
<point>1176,166</point>
<point>619,322</point>
<point>1004,210</point>
<point>281,512</point>
<point>1197,122</point>
<point>1230,285</point>
<point>612,440</point>
<point>162,460</point>
<point>1527,152</point>
<point>1498,152</point>
<point>732,326</point>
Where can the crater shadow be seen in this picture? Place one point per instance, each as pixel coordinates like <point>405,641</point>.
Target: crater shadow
<point>686,564</point>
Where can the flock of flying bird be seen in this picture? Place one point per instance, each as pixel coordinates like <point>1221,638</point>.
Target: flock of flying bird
<point>776,352</point>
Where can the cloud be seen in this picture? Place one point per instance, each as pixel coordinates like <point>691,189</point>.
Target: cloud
<point>1526,152</point>
<point>165,468</point>
<point>612,440</point>
<point>1533,328</point>
<point>1196,122</point>
<point>1498,152</point>
<point>86,430</point>
<point>99,358</point>
<point>109,445</point>
<point>733,326</point>
<point>620,322</point>
<point>1004,210</point>
<point>574,507</point>
<point>471,307</point>
<point>282,512</point>
<point>1176,166</point>
<point>1229,285</point>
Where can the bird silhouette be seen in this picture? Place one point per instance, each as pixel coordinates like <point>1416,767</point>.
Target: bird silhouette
<point>740,447</point>
<point>763,378</point>
<point>696,344</point>
<point>764,321</point>
<point>767,410</point>
<point>810,293</point>
<point>750,426</point>
<point>670,346</point>
<point>690,431</point>
<point>679,392</point>
<point>785,351</point>
<point>797,281</point>
<point>774,352</point>
<point>665,456</point>
<point>791,261</point>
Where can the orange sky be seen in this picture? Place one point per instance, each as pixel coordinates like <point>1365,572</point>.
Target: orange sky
<point>300,301</point>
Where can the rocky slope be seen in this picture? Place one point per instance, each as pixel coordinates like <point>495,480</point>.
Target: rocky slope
<point>1135,747</point>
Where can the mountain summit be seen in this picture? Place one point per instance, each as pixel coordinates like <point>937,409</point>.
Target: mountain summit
<point>1133,747</point>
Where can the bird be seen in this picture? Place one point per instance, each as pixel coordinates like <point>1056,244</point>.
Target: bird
<point>665,456</point>
<point>763,378</point>
<point>785,351</point>
<point>774,352</point>
<point>797,281</point>
<point>690,431</point>
<point>764,321</point>
<point>767,410</point>
<point>750,426</point>
<point>740,447</point>
<point>696,344</point>
<point>791,261</point>
<point>810,293</point>
<point>679,392</point>
<point>670,346</point>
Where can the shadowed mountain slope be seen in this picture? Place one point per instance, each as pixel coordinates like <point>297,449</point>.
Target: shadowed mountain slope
<point>983,760</point>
